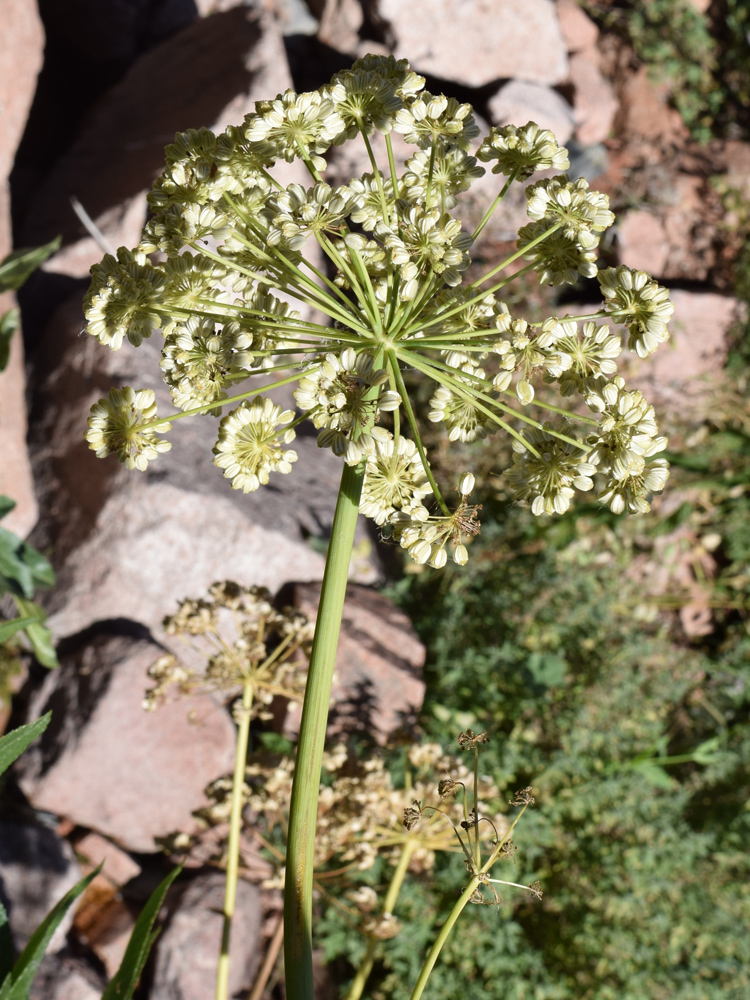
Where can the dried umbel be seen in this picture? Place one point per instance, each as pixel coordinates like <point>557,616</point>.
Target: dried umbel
<point>395,295</point>
<point>361,812</point>
<point>241,639</point>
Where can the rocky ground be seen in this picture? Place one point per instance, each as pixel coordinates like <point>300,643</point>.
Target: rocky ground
<point>91,93</point>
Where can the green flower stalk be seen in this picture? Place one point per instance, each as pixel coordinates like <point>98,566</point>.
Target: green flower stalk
<point>225,238</point>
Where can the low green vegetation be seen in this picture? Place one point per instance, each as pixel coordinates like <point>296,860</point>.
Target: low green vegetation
<point>703,56</point>
<point>634,735</point>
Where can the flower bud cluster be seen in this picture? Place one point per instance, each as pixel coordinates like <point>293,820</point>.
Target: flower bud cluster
<point>338,396</point>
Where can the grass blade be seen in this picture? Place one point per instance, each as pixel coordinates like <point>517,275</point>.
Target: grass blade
<point>13,744</point>
<point>18,982</point>
<point>123,984</point>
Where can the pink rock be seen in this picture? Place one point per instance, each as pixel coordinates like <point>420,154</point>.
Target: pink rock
<point>186,951</point>
<point>37,868</point>
<point>646,111</point>
<point>16,480</point>
<point>340,21</point>
<point>105,763</point>
<point>378,681</point>
<point>476,41</point>
<point>578,30</point>
<point>94,850</point>
<point>104,922</point>
<point>210,74</point>
<point>698,346</point>
<point>594,102</point>
<point>737,166</point>
<point>673,240</point>
<point>643,242</point>
<point>61,977</point>
<point>519,102</point>
<point>21,55</point>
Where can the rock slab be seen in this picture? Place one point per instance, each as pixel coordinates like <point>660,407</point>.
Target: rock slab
<point>105,763</point>
<point>377,686</point>
<point>474,42</point>
<point>37,868</point>
<point>520,101</point>
<point>187,949</point>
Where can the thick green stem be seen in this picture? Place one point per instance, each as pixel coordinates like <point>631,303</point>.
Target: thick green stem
<point>303,810</point>
<point>233,848</point>
<point>389,903</point>
<point>442,937</point>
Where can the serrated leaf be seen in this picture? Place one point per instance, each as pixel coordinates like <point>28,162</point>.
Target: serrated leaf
<point>18,982</point>
<point>20,264</point>
<point>13,744</point>
<point>123,984</point>
<point>9,323</point>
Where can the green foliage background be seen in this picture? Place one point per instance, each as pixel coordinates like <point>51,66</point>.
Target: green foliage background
<point>590,691</point>
<point>703,55</point>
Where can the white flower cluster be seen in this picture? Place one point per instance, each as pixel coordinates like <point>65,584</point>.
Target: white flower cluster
<point>393,297</point>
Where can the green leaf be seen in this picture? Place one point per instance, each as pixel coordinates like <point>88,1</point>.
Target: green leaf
<point>9,629</point>
<point>653,773</point>
<point>22,568</point>
<point>15,575</point>
<point>39,636</point>
<point>20,264</point>
<point>123,984</point>
<point>18,982</point>
<point>42,644</point>
<point>13,744</point>
<point>547,669</point>
<point>708,752</point>
<point>9,323</point>
<point>6,505</point>
<point>41,570</point>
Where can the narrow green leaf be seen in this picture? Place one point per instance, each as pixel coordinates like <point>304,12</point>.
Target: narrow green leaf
<point>6,505</point>
<point>123,984</point>
<point>39,636</point>
<point>9,629</point>
<point>20,264</point>
<point>18,982</point>
<point>42,644</point>
<point>9,323</point>
<point>13,744</point>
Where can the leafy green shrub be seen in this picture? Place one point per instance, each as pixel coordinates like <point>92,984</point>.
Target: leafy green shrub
<point>640,855</point>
